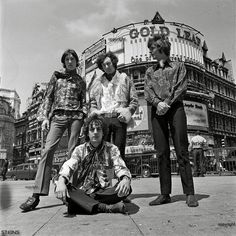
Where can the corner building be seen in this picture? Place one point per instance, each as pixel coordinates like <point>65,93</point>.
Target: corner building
<point>210,103</point>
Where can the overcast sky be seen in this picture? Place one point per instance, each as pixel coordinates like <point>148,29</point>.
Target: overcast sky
<point>34,33</point>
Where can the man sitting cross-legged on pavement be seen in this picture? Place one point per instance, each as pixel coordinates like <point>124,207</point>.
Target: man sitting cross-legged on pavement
<point>97,160</point>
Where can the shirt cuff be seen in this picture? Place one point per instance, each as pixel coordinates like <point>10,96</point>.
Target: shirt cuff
<point>125,177</point>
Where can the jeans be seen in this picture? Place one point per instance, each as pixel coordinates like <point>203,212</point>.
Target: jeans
<point>57,128</point>
<point>176,119</point>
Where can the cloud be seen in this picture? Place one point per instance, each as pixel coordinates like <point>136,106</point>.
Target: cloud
<point>83,27</point>
<point>95,23</point>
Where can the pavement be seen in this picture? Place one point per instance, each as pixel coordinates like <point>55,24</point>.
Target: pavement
<point>214,216</point>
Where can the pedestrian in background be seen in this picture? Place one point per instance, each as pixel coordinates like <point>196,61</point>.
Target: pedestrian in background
<point>165,84</point>
<point>63,108</point>
<point>4,169</point>
<point>98,160</point>
<point>197,146</point>
<point>113,95</point>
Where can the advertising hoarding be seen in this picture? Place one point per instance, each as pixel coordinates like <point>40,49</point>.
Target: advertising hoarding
<point>131,42</point>
<point>196,114</point>
<point>140,117</point>
<point>91,54</point>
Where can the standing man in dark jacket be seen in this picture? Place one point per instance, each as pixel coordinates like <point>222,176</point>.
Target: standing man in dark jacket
<point>65,106</point>
<point>165,84</point>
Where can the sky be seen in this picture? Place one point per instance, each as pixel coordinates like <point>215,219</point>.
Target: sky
<point>35,33</point>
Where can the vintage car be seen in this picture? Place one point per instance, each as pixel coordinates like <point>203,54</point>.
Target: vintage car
<point>25,171</point>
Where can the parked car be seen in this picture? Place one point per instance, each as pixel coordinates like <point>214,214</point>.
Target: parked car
<point>23,171</point>
<point>146,164</point>
<point>11,173</point>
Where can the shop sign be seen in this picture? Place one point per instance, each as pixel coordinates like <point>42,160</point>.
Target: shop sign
<point>196,114</point>
<point>147,31</point>
<point>140,59</point>
<point>151,30</point>
<point>188,35</point>
<point>116,40</point>
<point>139,149</point>
<point>89,62</point>
<point>95,49</point>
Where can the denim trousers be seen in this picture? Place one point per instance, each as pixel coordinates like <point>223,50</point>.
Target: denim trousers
<point>57,128</point>
<point>175,119</point>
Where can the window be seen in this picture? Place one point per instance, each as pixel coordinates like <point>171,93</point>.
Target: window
<point>26,167</point>
<point>19,167</point>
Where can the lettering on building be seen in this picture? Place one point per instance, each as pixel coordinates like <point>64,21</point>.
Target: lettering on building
<point>188,35</point>
<point>148,31</point>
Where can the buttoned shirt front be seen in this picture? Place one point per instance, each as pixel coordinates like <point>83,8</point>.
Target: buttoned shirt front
<point>109,158</point>
<point>65,91</point>
<point>166,84</point>
<point>122,88</point>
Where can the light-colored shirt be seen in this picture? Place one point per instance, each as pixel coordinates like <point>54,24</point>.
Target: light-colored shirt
<point>120,88</point>
<point>198,142</point>
<point>110,159</point>
<point>107,100</point>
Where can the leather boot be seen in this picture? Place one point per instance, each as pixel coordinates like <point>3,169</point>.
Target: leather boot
<point>191,201</point>
<point>115,208</point>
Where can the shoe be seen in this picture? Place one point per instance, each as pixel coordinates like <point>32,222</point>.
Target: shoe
<point>30,204</point>
<point>116,208</point>
<point>191,201</point>
<point>162,199</point>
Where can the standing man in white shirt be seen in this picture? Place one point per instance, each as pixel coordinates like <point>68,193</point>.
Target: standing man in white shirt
<point>113,95</point>
<point>197,145</point>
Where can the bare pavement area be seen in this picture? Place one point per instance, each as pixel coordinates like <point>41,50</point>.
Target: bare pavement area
<point>214,216</point>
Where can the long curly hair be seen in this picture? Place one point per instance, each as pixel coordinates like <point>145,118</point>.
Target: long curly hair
<point>102,57</point>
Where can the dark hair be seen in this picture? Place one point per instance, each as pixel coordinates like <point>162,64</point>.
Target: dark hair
<point>66,53</point>
<point>197,132</point>
<point>102,57</point>
<point>164,44</point>
<point>91,119</point>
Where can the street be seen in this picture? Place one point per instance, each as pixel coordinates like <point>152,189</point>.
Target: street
<point>214,216</point>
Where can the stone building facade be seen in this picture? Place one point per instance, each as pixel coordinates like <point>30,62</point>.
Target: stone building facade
<point>7,130</point>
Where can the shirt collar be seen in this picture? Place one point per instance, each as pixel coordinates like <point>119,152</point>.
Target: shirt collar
<point>114,80</point>
<point>166,64</point>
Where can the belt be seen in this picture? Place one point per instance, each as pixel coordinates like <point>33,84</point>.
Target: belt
<point>66,113</point>
<point>110,115</point>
